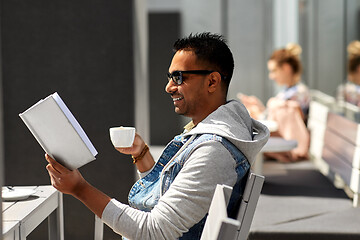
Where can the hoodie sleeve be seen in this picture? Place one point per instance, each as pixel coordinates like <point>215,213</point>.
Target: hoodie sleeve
<point>184,204</point>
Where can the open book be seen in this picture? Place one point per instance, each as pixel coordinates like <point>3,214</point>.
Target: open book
<point>58,132</point>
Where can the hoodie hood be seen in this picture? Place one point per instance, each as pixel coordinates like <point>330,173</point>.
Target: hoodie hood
<point>233,122</point>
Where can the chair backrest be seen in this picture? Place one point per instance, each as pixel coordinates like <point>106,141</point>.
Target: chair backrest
<point>218,225</point>
<point>248,204</point>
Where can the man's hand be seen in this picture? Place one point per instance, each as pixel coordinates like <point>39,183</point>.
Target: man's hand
<point>72,182</point>
<point>63,179</point>
<point>147,162</point>
<point>136,148</point>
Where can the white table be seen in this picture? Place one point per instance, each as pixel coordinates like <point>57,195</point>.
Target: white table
<point>274,144</point>
<point>11,230</point>
<point>20,218</point>
<point>271,125</point>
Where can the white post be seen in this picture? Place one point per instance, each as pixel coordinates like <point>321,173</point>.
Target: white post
<point>2,172</point>
<point>356,200</point>
<point>286,22</point>
<point>141,73</point>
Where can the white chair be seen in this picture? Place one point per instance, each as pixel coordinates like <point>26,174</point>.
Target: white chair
<point>99,229</point>
<point>218,225</point>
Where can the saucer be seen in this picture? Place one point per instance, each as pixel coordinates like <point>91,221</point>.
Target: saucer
<point>16,194</point>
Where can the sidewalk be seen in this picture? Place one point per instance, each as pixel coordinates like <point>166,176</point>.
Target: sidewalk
<point>298,202</point>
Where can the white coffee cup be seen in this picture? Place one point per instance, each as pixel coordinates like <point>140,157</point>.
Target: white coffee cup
<point>122,136</point>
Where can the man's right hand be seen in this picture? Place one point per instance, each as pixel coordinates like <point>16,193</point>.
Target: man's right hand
<point>135,149</point>
<point>144,164</point>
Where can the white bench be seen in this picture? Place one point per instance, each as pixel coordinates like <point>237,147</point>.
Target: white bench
<point>335,147</point>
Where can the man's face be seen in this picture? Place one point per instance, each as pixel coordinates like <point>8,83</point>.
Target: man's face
<point>190,98</point>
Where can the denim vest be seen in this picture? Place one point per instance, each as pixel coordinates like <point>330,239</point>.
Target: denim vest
<point>145,193</point>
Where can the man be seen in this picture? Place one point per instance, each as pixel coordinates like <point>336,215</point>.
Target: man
<point>172,198</point>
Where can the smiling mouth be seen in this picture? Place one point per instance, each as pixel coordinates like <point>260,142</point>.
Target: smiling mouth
<point>178,99</point>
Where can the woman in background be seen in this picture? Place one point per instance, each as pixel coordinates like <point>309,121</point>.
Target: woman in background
<point>350,91</point>
<point>289,108</point>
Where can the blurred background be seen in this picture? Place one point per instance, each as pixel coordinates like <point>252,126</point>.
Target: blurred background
<point>108,61</point>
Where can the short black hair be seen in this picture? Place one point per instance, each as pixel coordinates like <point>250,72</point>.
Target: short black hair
<point>212,49</point>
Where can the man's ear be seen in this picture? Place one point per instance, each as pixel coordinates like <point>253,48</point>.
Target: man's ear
<point>214,81</point>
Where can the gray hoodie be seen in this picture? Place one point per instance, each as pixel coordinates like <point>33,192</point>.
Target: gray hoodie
<point>185,203</point>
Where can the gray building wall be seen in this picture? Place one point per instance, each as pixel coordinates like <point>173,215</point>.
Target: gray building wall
<point>1,134</point>
<point>164,29</point>
<point>250,39</point>
<point>326,28</point>
<point>247,25</point>
<point>352,25</point>
<point>201,16</point>
<point>82,50</point>
<point>330,36</point>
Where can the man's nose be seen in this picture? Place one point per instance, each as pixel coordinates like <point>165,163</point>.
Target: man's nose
<point>171,87</point>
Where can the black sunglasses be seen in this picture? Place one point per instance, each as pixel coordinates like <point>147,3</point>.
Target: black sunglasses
<point>177,76</point>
